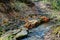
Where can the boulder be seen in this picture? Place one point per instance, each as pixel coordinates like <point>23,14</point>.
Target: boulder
<point>31,24</point>
<point>13,34</point>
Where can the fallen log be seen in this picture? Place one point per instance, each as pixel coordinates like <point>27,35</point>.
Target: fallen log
<point>33,23</point>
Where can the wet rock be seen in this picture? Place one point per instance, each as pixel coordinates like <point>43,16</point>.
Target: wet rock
<point>44,18</point>
<point>31,24</point>
<point>14,33</point>
<point>20,34</point>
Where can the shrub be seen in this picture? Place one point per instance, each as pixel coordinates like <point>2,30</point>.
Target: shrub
<point>55,4</point>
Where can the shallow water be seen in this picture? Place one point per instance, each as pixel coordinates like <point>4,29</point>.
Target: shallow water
<point>39,32</point>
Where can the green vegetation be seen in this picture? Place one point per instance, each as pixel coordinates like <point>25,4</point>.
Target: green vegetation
<point>55,4</point>
<point>6,38</point>
<point>56,30</point>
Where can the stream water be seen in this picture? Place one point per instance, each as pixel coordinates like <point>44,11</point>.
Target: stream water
<point>39,32</point>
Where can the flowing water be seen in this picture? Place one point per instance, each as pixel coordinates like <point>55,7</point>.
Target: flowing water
<point>39,32</point>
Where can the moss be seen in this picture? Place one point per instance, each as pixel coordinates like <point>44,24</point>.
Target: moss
<point>56,30</point>
<point>6,38</point>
